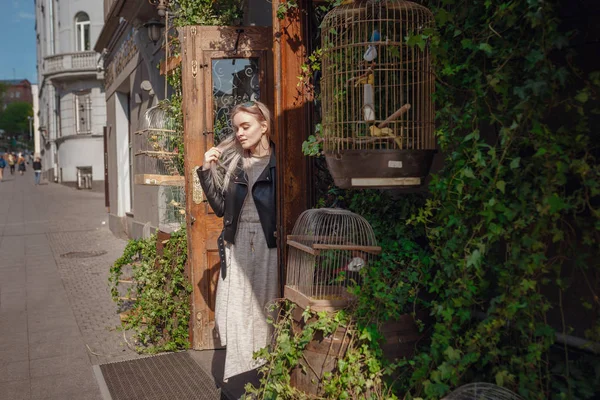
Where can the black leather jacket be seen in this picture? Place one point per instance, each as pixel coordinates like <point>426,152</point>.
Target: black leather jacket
<point>229,205</point>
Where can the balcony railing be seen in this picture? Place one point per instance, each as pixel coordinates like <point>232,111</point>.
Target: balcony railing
<point>70,62</point>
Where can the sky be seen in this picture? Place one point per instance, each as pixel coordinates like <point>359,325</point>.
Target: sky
<point>17,40</point>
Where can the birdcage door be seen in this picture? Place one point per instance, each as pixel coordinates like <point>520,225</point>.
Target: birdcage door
<point>221,67</point>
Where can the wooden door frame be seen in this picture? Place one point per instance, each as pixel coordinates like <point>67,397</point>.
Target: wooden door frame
<point>199,44</point>
<point>292,122</point>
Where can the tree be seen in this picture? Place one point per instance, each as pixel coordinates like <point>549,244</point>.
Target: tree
<point>14,119</point>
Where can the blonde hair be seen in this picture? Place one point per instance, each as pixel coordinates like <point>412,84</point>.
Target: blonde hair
<point>232,153</point>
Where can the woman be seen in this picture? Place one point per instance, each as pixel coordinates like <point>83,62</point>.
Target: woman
<point>238,179</point>
<point>21,164</point>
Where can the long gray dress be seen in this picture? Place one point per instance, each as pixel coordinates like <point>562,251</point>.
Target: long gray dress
<point>249,285</point>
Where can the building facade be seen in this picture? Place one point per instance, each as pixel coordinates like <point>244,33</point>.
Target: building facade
<point>36,119</point>
<point>72,111</point>
<point>138,202</point>
<point>17,90</point>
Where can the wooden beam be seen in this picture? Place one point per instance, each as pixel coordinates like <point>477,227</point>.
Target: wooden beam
<point>291,127</point>
<point>169,65</point>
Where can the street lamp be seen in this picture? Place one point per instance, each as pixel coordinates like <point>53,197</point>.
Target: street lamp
<point>154,30</point>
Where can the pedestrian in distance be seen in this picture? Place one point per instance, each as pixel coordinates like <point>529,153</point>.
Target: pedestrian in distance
<point>2,166</point>
<point>11,163</point>
<point>238,179</point>
<point>21,164</point>
<point>37,169</point>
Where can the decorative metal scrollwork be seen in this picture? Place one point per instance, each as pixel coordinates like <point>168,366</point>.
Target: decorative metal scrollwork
<point>235,81</point>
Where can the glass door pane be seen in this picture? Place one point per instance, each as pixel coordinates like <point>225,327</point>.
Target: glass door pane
<point>234,81</point>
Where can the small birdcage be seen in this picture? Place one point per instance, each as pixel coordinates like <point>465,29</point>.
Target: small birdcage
<point>159,159</point>
<point>377,86</point>
<point>327,249</point>
<point>171,207</point>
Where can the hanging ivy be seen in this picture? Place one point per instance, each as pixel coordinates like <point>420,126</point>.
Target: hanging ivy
<point>504,245</point>
<point>515,209</point>
<point>159,311</point>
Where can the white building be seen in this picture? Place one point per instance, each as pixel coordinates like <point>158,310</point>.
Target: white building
<point>36,119</point>
<point>72,107</point>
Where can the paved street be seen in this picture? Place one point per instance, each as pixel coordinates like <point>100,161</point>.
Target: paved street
<point>56,315</point>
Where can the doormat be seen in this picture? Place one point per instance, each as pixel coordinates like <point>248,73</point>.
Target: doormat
<point>171,376</point>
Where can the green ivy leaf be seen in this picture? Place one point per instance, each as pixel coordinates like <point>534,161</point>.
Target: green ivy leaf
<point>582,96</point>
<point>474,258</point>
<point>452,354</point>
<point>486,48</point>
<point>468,173</point>
<point>501,185</point>
<point>556,204</point>
<point>514,164</point>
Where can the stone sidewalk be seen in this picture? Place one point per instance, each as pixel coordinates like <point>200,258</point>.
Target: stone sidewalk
<point>56,315</point>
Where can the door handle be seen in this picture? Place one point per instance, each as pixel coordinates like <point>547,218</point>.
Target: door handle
<point>192,219</point>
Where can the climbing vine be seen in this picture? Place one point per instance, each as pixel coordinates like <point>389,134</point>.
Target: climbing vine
<point>514,211</point>
<point>502,249</point>
<point>156,291</point>
<point>358,371</point>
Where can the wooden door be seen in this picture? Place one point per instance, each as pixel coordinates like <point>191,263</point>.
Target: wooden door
<point>221,66</point>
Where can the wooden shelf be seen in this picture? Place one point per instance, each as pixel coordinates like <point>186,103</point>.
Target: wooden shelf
<point>159,180</point>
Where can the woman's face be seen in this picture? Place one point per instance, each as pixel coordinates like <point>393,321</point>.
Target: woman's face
<point>249,131</point>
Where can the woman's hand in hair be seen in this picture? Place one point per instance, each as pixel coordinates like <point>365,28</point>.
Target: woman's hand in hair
<point>211,156</point>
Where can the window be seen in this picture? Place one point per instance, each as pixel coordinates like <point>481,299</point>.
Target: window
<point>82,30</point>
<point>83,113</point>
<point>18,94</point>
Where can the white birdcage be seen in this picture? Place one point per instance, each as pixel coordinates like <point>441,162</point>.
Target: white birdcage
<point>171,207</point>
<point>327,249</point>
<point>158,150</point>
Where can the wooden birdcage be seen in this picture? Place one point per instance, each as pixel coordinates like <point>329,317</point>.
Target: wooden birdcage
<point>327,249</point>
<point>377,86</point>
<point>159,159</point>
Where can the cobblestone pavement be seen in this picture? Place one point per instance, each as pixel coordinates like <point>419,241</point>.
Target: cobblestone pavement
<point>56,315</point>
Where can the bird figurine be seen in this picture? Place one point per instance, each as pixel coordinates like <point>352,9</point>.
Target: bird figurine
<point>371,52</point>
<point>356,264</point>
<point>375,36</point>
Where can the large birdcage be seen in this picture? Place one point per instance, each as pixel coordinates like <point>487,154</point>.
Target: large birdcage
<point>377,86</point>
<point>327,249</point>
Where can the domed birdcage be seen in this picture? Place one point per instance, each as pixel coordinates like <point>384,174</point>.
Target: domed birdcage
<point>327,249</point>
<point>482,391</point>
<point>377,86</point>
